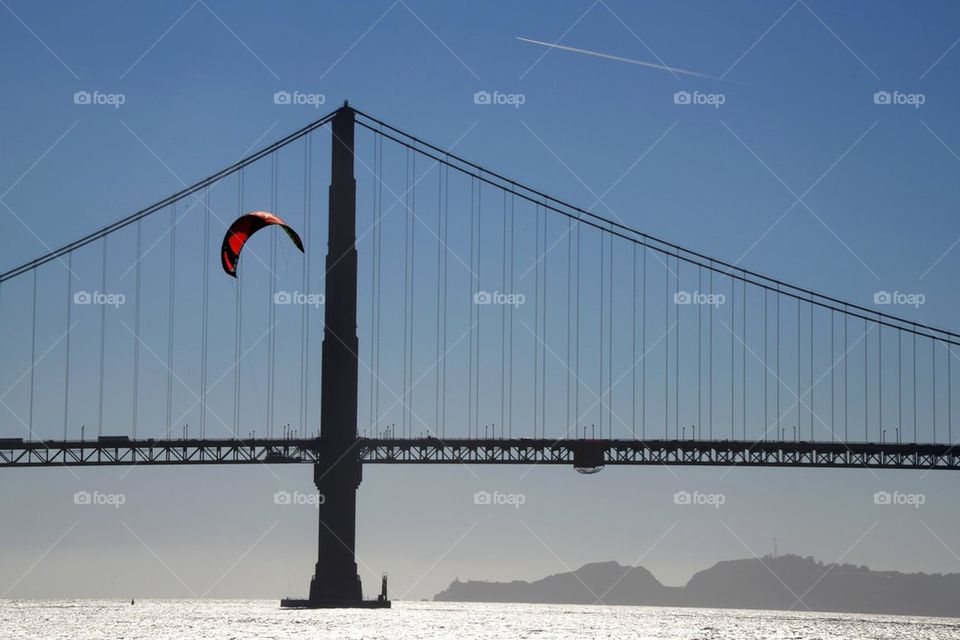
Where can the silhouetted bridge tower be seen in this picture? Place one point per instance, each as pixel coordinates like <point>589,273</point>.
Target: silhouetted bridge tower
<point>479,300</point>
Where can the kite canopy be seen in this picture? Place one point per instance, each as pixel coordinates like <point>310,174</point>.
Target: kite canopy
<point>241,230</point>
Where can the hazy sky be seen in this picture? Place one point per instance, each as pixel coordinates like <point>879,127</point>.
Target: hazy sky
<point>799,119</point>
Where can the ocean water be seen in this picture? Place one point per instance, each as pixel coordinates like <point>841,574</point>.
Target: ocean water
<point>241,619</point>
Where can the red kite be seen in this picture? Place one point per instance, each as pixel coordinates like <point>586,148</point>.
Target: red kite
<point>241,230</point>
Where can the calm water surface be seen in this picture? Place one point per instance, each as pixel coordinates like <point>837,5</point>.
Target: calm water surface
<point>236,619</point>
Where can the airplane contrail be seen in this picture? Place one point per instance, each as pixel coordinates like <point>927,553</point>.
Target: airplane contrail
<point>608,56</point>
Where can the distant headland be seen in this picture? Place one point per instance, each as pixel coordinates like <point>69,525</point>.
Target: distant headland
<point>788,582</point>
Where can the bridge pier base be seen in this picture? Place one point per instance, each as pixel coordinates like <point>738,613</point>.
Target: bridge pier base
<point>336,583</point>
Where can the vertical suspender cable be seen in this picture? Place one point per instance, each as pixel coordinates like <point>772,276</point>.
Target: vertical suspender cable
<point>570,321</point>
<point>103,336</point>
<point>609,390</point>
<point>205,322</point>
<point>33,350</point>
<point>272,342</point>
<point>171,295</point>
<point>676,344</point>
<point>472,308</point>
<point>733,330</point>
<point>633,334</point>
<point>866,405</point>
<point>710,356</point>
<point>536,323</point>
<point>899,380</point>
<point>413,306</point>
<point>578,307</point>
<point>378,231</point>
<point>609,268</point>
<point>603,293</point>
<point>305,314</point>
<point>238,327</point>
<point>846,378</point>
<point>136,337</point>
<point>476,360</point>
<point>666,350</point>
<point>66,366</point>
<point>609,342</point>
<point>743,356</point>
<point>405,423</point>
<point>441,346</point>
<point>372,419</point>
<point>643,350</point>
<point>543,349</point>
<point>699,352</point>
<point>446,227</point>
<point>406,290</point>
<point>513,288</point>
<point>406,419</point>
<point>766,369</point>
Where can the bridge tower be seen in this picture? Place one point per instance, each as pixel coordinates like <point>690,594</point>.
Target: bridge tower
<point>337,473</point>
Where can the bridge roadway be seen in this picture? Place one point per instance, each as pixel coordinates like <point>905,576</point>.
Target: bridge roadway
<point>581,453</point>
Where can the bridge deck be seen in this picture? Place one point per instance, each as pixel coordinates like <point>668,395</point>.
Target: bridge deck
<point>18,453</point>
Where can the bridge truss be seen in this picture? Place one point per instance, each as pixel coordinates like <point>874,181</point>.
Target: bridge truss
<point>467,451</point>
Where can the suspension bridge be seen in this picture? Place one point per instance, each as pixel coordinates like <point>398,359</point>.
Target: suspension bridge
<point>459,317</point>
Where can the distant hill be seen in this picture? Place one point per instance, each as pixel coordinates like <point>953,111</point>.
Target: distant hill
<point>783,583</point>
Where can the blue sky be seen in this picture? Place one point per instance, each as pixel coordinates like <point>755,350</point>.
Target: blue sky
<point>799,173</point>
